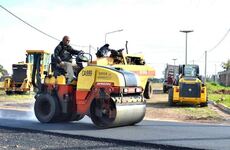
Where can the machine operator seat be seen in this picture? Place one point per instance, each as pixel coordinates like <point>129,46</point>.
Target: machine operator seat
<point>57,70</point>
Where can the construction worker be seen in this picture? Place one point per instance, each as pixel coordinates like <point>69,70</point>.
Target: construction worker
<point>63,55</point>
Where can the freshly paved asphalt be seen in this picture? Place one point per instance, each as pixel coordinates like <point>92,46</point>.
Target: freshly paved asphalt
<point>200,136</point>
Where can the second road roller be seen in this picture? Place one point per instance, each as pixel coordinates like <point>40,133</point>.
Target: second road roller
<point>110,97</point>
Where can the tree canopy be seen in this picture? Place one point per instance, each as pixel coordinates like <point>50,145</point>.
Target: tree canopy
<point>3,71</point>
<point>226,65</point>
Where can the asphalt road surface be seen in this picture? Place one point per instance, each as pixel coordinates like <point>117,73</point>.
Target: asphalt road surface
<point>176,134</point>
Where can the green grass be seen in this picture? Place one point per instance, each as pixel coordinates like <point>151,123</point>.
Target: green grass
<point>216,96</point>
<point>199,113</point>
<point>1,84</point>
<point>16,97</point>
<point>220,98</point>
<point>212,87</point>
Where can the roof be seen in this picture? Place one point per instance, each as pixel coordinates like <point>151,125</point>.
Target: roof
<point>134,55</point>
<point>38,51</point>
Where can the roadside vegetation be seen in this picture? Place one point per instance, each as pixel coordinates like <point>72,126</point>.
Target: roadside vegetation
<point>158,108</point>
<point>218,93</point>
<point>19,98</point>
<point>199,113</point>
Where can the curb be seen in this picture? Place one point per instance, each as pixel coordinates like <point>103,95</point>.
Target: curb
<point>222,107</point>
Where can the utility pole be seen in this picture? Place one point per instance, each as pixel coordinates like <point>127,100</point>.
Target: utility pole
<point>205,68</point>
<point>174,60</point>
<point>89,49</point>
<point>186,37</point>
<point>215,74</point>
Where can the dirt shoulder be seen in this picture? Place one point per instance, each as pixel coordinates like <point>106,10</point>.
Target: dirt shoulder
<point>158,109</point>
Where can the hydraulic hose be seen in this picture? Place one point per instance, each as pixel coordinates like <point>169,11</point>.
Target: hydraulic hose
<point>36,72</point>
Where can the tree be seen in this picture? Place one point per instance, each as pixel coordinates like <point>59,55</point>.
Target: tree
<point>3,71</point>
<point>226,65</point>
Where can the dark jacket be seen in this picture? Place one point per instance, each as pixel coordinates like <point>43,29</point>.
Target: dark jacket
<point>64,53</point>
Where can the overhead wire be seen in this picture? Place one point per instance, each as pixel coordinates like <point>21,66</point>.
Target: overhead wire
<point>25,22</point>
<point>222,39</point>
<point>28,24</point>
<point>210,50</point>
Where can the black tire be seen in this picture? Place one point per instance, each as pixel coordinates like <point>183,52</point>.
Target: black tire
<point>20,92</point>
<point>164,89</point>
<point>148,90</point>
<point>46,108</point>
<point>9,92</point>
<point>76,117</point>
<point>204,104</point>
<point>170,97</point>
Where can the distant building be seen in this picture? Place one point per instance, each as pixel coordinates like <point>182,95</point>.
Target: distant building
<point>224,77</point>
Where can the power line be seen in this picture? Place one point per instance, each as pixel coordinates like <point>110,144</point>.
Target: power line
<point>225,35</point>
<point>35,27</point>
<point>222,39</point>
<point>29,24</point>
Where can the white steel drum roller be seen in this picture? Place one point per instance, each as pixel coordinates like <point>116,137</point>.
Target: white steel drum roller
<point>119,114</point>
<point>119,110</point>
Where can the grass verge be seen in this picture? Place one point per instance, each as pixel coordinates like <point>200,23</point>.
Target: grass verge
<point>199,113</point>
<point>16,97</point>
<point>218,93</point>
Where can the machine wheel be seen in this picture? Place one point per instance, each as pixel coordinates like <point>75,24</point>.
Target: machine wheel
<point>204,104</point>
<point>9,92</point>
<point>148,90</point>
<point>46,108</point>
<point>103,113</point>
<point>106,113</point>
<point>170,97</point>
<point>76,117</point>
<point>20,92</point>
<point>164,89</point>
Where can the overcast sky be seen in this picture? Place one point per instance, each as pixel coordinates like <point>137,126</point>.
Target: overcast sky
<point>150,26</point>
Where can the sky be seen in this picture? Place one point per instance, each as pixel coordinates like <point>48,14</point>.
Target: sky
<point>151,27</point>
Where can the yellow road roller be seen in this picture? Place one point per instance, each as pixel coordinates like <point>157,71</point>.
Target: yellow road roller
<point>109,96</point>
<point>130,62</point>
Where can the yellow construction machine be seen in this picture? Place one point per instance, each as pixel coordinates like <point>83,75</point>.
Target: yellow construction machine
<point>109,96</point>
<point>130,62</point>
<point>188,87</point>
<point>20,81</point>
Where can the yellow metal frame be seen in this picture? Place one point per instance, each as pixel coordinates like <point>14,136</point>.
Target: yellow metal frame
<point>143,71</point>
<point>193,100</point>
<point>26,85</point>
<point>37,51</point>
